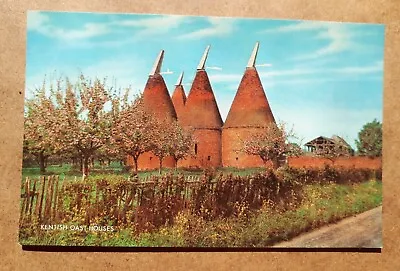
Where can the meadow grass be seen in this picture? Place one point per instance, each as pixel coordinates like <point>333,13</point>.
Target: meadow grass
<point>116,171</point>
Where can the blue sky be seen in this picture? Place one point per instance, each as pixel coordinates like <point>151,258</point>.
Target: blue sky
<point>322,78</point>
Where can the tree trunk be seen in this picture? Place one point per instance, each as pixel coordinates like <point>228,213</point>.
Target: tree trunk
<point>275,163</point>
<point>135,160</point>
<point>108,162</point>
<point>176,164</point>
<point>45,160</point>
<point>160,169</point>
<point>81,163</point>
<point>41,160</point>
<point>85,169</point>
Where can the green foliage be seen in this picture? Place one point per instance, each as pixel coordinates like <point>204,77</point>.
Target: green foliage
<point>369,141</point>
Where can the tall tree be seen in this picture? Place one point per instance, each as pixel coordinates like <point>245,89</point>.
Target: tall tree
<point>161,142</point>
<point>369,142</point>
<point>85,124</point>
<point>272,144</point>
<point>39,133</point>
<point>134,131</point>
<point>181,141</point>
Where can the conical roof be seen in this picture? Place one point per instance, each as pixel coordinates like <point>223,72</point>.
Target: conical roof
<point>201,109</point>
<point>156,97</point>
<point>179,97</point>
<point>250,107</point>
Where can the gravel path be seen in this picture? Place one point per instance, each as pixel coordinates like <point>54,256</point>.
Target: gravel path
<point>363,230</point>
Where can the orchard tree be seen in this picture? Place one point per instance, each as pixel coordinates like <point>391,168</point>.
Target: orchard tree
<point>84,123</point>
<point>272,144</point>
<point>369,141</point>
<point>171,139</point>
<point>181,141</point>
<point>161,144</point>
<point>111,151</point>
<point>39,132</point>
<point>133,131</point>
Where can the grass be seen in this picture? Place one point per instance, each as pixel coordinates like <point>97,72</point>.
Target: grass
<point>323,204</point>
<point>115,170</point>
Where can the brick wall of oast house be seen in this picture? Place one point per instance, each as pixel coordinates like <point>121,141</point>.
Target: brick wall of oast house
<point>232,143</point>
<point>249,111</point>
<point>348,162</point>
<point>148,161</point>
<point>209,145</point>
<point>201,114</point>
<point>178,100</point>
<point>157,101</point>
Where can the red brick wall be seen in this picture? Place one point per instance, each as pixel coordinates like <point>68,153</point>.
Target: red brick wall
<point>149,161</point>
<point>349,162</point>
<point>232,139</point>
<point>208,144</point>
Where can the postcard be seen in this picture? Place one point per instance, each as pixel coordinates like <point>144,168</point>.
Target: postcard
<point>146,130</point>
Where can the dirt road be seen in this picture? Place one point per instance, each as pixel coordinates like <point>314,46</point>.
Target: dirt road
<point>363,230</point>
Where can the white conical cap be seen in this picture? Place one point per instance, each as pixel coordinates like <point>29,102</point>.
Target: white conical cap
<point>179,82</point>
<point>203,59</point>
<point>252,60</point>
<point>157,64</point>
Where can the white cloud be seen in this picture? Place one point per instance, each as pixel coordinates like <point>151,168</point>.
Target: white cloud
<point>217,27</point>
<point>168,71</point>
<point>297,74</point>
<point>264,65</point>
<point>340,37</point>
<point>304,75</point>
<point>299,26</point>
<point>377,67</point>
<point>41,23</point>
<point>346,70</point>
<point>36,20</point>
<point>214,68</point>
<point>154,25</point>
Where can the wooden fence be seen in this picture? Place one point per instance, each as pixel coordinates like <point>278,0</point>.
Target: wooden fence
<point>155,201</point>
<point>51,200</point>
<point>145,204</point>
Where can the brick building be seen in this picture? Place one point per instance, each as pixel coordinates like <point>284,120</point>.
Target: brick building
<point>249,114</point>
<point>156,100</point>
<point>217,144</point>
<point>201,114</point>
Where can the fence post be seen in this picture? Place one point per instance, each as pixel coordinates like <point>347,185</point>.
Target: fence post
<point>55,197</point>
<point>41,197</point>
<point>49,196</point>
<point>27,193</point>
<point>33,197</point>
<point>25,196</point>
